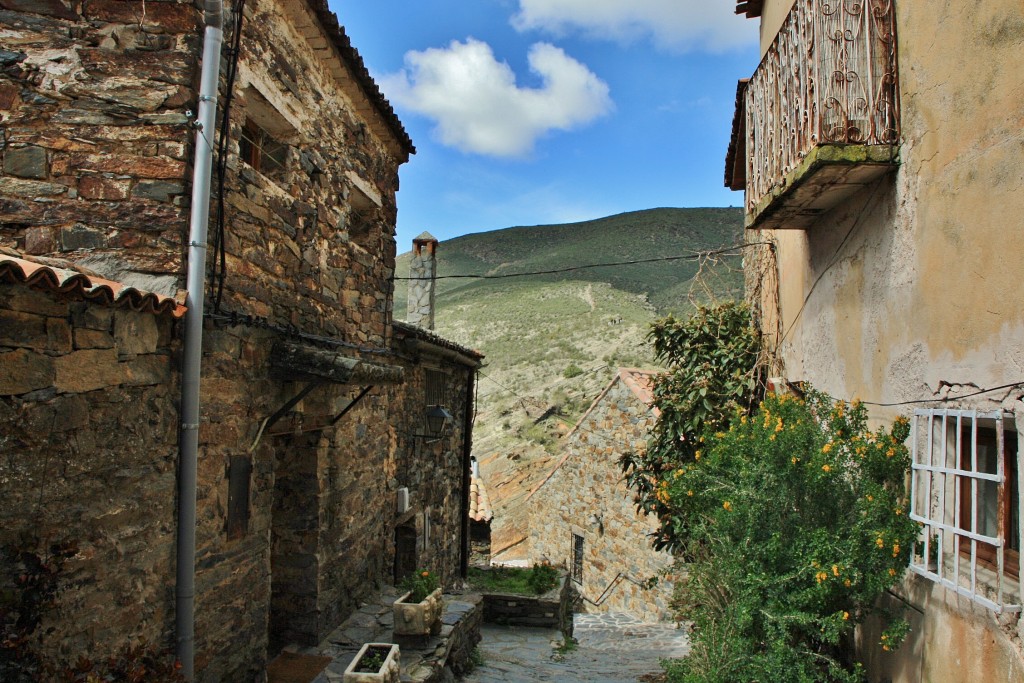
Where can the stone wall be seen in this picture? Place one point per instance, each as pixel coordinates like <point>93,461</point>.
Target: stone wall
<point>296,518</point>
<point>88,450</point>
<point>95,140</point>
<point>435,470</point>
<point>586,495</point>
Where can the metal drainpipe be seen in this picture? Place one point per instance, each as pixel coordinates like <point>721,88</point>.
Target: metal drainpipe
<point>192,355</point>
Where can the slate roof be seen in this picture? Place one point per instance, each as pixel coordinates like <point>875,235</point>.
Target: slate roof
<point>752,8</point>
<point>405,329</point>
<point>336,32</point>
<point>80,283</point>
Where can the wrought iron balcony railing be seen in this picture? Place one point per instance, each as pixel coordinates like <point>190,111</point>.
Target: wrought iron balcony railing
<point>828,80</point>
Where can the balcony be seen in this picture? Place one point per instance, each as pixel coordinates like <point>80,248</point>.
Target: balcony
<point>819,119</point>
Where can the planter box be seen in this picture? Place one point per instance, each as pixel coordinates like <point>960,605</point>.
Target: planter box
<point>388,671</point>
<point>418,618</point>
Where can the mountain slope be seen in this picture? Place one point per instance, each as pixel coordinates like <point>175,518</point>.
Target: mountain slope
<point>553,341</point>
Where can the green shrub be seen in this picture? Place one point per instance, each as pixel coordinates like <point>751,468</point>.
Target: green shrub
<point>572,370</point>
<point>543,577</point>
<point>796,521</point>
<point>714,376</point>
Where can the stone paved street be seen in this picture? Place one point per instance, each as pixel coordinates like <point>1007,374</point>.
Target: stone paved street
<point>613,648</point>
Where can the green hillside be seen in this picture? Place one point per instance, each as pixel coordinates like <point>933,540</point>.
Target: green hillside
<point>634,236</point>
<point>553,341</point>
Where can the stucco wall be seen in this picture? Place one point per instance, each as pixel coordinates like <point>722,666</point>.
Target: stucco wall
<point>915,281</point>
<point>589,483</point>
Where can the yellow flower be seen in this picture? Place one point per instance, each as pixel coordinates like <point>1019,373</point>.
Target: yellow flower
<point>793,460</point>
<point>895,549</point>
<point>778,425</point>
<point>696,456</point>
<point>827,447</point>
<point>826,468</point>
<point>846,616</point>
<point>727,506</point>
<point>743,420</point>
<point>835,570</point>
<point>870,498</point>
<point>892,572</point>
<point>879,542</point>
<point>425,574</point>
<point>885,647</point>
<point>771,438</point>
<point>689,493</point>
<point>847,583</point>
<point>821,576</point>
<point>898,511</point>
<point>891,452</point>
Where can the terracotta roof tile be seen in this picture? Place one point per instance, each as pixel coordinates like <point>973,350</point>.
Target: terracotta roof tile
<point>80,283</point>
<point>479,502</point>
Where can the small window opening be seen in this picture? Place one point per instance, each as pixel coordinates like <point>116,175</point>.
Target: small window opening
<point>364,218</point>
<point>259,149</point>
<point>437,388</point>
<point>577,558</point>
<point>964,494</point>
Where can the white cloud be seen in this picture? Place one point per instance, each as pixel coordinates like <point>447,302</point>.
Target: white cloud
<point>672,24</point>
<point>477,105</point>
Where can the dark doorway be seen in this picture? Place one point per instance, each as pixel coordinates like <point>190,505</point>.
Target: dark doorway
<point>405,550</point>
<point>294,538</point>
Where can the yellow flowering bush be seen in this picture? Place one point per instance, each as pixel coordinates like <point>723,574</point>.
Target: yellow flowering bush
<point>793,532</point>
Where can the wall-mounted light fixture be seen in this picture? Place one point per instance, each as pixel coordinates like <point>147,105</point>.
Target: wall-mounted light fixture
<point>439,424</point>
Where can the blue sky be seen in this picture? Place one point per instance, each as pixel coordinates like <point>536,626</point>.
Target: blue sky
<point>527,112</point>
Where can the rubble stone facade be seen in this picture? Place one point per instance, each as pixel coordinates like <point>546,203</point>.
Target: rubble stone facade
<point>586,501</point>
<point>88,436</point>
<point>297,518</point>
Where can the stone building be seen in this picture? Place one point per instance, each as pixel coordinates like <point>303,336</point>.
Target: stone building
<point>583,516</point>
<point>879,147</point>
<point>319,477</point>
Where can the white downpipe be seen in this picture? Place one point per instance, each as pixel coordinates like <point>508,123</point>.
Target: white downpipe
<point>192,354</point>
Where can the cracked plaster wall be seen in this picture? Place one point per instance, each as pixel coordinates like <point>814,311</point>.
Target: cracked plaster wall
<point>916,280</point>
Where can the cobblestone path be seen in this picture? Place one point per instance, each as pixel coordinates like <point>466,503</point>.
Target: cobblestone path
<point>613,648</point>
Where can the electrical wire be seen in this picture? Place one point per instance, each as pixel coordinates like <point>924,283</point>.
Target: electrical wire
<point>733,250</point>
<point>219,270</point>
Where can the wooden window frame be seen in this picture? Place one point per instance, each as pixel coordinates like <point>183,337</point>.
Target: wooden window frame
<point>1006,499</point>
<point>262,151</point>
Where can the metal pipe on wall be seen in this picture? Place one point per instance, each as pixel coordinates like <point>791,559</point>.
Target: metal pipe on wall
<point>193,342</point>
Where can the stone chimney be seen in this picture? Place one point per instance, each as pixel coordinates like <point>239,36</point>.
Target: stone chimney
<point>422,281</point>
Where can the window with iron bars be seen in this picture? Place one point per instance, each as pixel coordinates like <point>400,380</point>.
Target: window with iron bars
<point>577,558</point>
<point>965,494</point>
<point>437,388</point>
<point>259,149</point>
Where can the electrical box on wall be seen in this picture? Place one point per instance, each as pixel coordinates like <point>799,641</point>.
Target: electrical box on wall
<point>403,500</point>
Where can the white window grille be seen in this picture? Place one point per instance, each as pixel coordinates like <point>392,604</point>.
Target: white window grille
<point>964,494</point>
